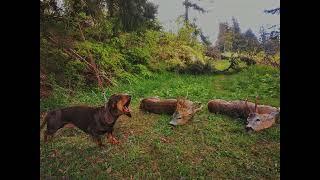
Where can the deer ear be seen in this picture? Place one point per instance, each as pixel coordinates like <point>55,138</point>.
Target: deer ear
<point>178,103</point>
<point>247,107</point>
<point>256,105</point>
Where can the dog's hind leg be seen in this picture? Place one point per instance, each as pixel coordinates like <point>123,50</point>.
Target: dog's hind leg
<point>48,134</point>
<point>45,137</point>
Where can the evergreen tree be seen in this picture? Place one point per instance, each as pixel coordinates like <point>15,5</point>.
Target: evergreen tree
<point>252,42</point>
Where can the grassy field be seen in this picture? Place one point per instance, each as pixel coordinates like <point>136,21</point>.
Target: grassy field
<point>209,147</point>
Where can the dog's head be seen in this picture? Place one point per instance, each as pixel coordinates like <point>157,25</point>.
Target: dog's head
<point>119,104</point>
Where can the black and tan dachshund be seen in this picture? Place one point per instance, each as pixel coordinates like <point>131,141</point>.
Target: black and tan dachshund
<point>95,121</point>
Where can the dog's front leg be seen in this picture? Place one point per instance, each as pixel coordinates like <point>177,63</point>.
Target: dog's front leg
<point>112,139</point>
<point>98,141</point>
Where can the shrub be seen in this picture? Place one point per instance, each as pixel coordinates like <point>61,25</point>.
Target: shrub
<point>137,55</point>
<point>74,77</point>
<point>142,70</point>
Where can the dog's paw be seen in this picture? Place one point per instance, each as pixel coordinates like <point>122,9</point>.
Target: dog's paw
<point>101,145</point>
<point>114,141</point>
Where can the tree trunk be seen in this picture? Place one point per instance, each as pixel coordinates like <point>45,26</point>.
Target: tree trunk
<point>186,16</point>
<point>111,8</point>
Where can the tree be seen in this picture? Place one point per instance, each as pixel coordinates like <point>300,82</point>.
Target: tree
<point>263,35</point>
<point>236,26</point>
<point>275,34</point>
<point>93,8</point>
<point>134,14</point>
<point>238,43</point>
<point>273,11</point>
<point>205,39</point>
<point>268,42</point>
<point>111,7</point>
<point>252,42</point>
<point>220,43</point>
<point>187,4</point>
<point>198,31</point>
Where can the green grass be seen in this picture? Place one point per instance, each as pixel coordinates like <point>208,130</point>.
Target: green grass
<point>221,64</point>
<point>210,146</point>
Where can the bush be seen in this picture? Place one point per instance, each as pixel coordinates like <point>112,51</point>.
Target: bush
<point>213,52</point>
<point>142,70</point>
<point>74,74</point>
<point>126,56</point>
<point>108,59</point>
<point>179,53</point>
<point>137,55</point>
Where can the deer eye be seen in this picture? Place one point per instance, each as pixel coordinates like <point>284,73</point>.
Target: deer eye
<point>257,119</point>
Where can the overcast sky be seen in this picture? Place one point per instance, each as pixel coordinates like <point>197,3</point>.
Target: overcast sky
<point>249,14</point>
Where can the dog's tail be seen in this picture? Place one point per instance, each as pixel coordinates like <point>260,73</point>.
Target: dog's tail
<point>44,122</point>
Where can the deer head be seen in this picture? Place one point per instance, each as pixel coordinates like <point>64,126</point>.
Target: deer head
<point>256,121</point>
<point>184,112</point>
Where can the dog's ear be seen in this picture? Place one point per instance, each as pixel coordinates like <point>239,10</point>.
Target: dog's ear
<point>109,119</point>
<point>113,101</point>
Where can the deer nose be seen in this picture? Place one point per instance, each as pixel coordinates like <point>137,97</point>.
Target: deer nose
<point>249,129</point>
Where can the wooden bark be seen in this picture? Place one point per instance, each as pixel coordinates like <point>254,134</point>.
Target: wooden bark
<point>157,106</point>
<point>237,108</point>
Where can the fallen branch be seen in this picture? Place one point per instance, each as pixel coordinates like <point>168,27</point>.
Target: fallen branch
<point>72,53</point>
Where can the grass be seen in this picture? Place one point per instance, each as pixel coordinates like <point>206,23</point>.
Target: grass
<point>211,146</point>
<point>221,64</point>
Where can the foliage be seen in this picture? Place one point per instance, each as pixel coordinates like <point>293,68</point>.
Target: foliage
<point>187,4</point>
<point>111,45</point>
<point>210,143</point>
<point>121,42</point>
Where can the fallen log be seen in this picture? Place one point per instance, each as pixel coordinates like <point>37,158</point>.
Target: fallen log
<point>258,117</point>
<point>157,106</point>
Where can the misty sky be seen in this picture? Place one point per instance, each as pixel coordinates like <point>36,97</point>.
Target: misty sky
<point>249,14</point>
